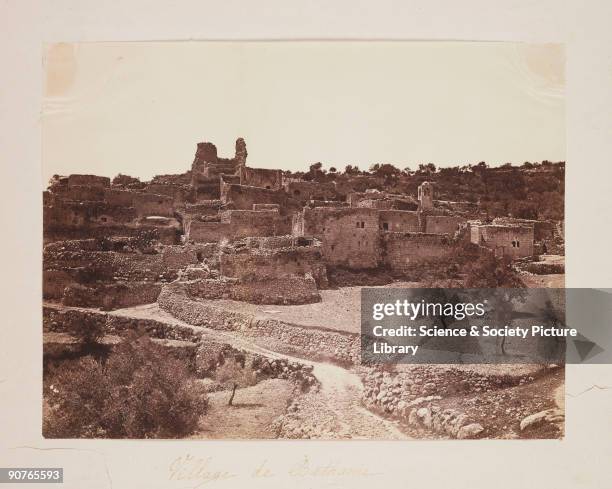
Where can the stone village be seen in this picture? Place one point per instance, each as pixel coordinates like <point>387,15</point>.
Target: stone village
<point>270,239</point>
<point>226,254</point>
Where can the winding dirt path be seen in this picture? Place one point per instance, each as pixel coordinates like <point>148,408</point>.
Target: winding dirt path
<point>333,411</point>
<point>340,393</point>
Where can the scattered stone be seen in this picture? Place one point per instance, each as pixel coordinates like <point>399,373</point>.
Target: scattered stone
<point>548,415</point>
<point>469,431</point>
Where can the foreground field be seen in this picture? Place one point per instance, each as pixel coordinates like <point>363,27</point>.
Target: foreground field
<point>347,401</point>
<point>252,414</point>
<point>338,310</point>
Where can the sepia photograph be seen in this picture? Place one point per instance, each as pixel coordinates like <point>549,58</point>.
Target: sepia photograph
<point>214,211</point>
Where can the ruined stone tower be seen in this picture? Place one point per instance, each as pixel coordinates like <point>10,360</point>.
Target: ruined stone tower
<point>208,167</point>
<point>206,155</point>
<point>425,196</point>
<point>241,153</point>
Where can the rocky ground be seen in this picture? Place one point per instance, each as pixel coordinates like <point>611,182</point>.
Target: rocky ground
<point>547,272</point>
<point>335,411</point>
<point>496,397</point>
<point>509,401</point>
<point>514,412</point>
<point>546,281</point>
<point>425,401</point>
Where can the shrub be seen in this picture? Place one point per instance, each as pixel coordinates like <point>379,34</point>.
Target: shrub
<point>87,328</point>
<point>139,392</point>
<point>491,272</point>
<point>211,355</point>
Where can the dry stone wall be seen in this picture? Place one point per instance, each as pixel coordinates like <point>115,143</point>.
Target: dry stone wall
<point>79,273</point>
<point>343,348</point>
<point>111,296</point>
<point>269,263</point>
<point>414,398</point>
<point>65,320</point>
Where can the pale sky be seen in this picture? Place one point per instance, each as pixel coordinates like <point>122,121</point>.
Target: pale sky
<point>140,108</point>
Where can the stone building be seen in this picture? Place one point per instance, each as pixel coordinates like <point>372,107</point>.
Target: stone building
<point>349,236</point>
<point>513,241</point>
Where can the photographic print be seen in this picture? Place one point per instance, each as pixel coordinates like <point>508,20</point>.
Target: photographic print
<point>214,209</point>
